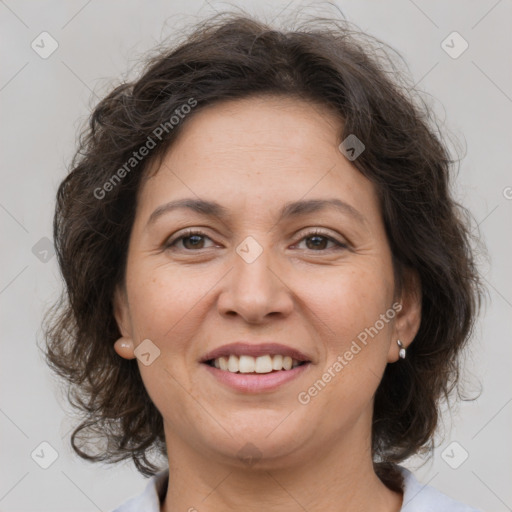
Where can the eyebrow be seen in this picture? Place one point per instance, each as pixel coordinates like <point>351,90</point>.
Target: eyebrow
<point>289,210</point>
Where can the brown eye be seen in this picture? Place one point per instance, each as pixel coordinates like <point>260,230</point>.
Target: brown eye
<point>190,240</point>
<point>318,241</point>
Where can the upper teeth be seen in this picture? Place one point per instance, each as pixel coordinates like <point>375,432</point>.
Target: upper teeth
<point>249,364</point>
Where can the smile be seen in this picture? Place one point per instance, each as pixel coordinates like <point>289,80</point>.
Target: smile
<point>248,364</point>
<point>255,382</point>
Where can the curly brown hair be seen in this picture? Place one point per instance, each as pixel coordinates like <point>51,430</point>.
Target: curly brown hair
<point>226,57</point>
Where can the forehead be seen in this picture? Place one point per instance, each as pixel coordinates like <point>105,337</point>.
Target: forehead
<point>252,130</point>
<point>261,150</point>
<point>267,112</point>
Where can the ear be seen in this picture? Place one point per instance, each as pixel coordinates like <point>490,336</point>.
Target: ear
<point>122,311</point>
<point>408,318</point>
<point>124,346</point>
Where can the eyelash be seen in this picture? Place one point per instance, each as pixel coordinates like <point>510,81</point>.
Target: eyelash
<point>316,232</point>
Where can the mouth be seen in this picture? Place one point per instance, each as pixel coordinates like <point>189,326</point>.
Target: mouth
<point>260,365</point>
<point>266,368</point>
<point>255,368</point>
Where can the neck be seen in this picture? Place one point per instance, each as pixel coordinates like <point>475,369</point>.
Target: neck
<point>339,477</point>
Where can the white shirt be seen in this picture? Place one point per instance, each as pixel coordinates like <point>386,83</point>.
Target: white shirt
<point>417,497</point>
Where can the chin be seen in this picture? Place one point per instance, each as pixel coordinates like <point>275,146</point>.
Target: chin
<point>262,448</point>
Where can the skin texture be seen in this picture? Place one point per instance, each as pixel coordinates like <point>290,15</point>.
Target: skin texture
<point>253,156</point>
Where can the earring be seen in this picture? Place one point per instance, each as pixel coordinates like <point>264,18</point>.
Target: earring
<point>124,348</point>
<point>401,351</point>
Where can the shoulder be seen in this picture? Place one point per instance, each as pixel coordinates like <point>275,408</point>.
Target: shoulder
<point>419,497</point>
<point>149,500</point>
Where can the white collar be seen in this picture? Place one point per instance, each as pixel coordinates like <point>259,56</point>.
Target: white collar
<point>417,497</point>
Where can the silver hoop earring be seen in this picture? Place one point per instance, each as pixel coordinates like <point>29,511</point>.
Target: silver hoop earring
<point>401,351</point>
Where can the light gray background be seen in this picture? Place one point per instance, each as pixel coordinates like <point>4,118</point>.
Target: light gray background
<point>44,100</point>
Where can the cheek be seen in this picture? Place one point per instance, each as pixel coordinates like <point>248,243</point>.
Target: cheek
<point>352,300</point>
<point>163,296</point>
<point>356,340</point>
<point>165,304</point>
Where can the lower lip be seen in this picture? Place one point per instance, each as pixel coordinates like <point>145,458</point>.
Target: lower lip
<point>256,383</point>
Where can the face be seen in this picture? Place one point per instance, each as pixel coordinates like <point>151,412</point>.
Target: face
<point>268,266</point>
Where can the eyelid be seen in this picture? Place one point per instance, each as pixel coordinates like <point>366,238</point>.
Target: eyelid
<point>187,232</point>
<point>324,233</point>
<point>303,234</point>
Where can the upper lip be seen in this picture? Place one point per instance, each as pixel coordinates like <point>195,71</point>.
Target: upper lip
<point>240,348</point>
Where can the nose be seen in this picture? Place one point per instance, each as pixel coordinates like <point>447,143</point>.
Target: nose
<point>256,290</point>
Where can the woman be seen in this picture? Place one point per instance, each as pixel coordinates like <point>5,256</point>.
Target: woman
<point>267,280</point>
